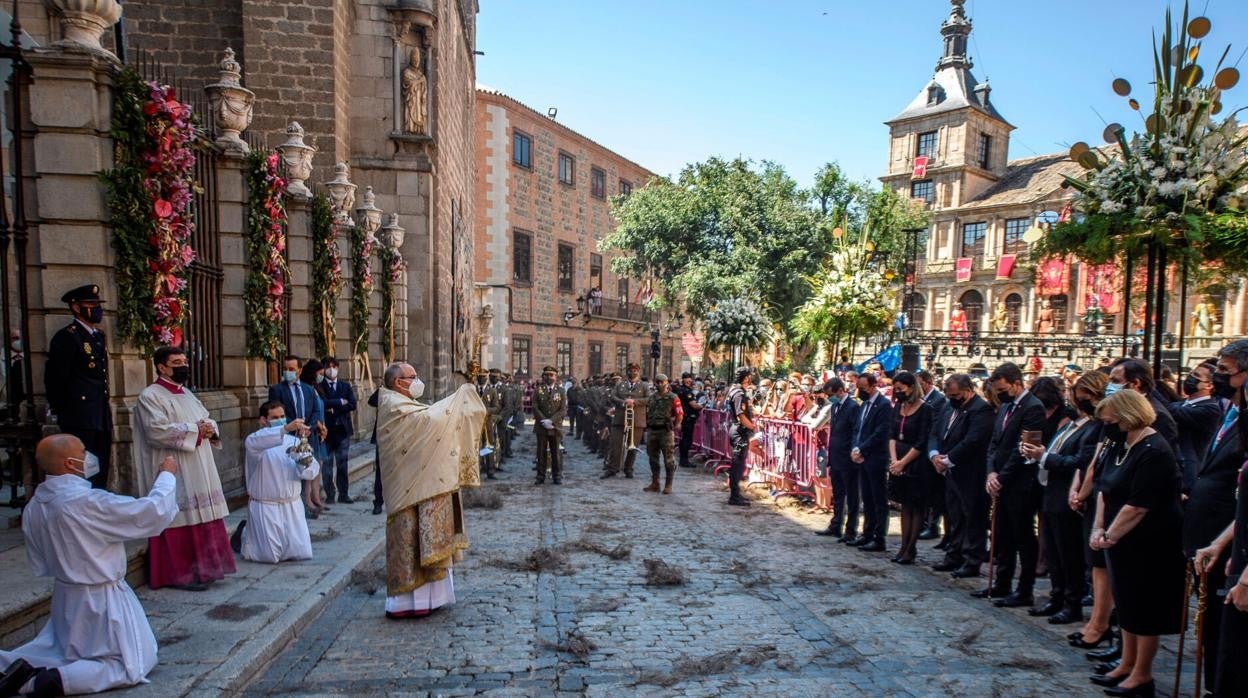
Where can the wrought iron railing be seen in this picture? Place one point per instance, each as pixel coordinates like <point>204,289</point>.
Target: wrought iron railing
<point>619,309</point>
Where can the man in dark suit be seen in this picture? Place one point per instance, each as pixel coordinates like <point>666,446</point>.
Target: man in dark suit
<point>870,452</point>
<point>298,399</point>
<point>842,419</point>
<point>1134,374</point>
<point>339,400</point>
<point>936,510</point>
<point>958,449</point>
<point>1012,480</point>
<point>1198,419</point>
<point>1210,508</point>
<point>76,379</point>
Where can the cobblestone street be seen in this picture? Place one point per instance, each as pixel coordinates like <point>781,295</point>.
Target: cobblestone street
<point>768,609</point>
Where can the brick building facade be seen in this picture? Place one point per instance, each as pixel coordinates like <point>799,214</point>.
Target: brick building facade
<point>543,195</point>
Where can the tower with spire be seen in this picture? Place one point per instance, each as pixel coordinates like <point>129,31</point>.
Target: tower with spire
<point>953,124</point>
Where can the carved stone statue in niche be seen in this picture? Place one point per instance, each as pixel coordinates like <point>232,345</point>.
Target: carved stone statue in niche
<point>415,96</point>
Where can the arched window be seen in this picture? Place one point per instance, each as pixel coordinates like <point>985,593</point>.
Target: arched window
<point>1013,312</point>
<point>973,303</point>
<point>916,306</point>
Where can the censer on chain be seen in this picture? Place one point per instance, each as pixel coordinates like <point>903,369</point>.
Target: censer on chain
<point>301,452</point>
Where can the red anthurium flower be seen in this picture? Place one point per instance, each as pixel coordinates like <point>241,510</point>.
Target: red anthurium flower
<point>164,209</point>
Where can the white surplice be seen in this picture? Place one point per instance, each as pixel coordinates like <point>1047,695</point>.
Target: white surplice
<point>276,526</point>
<point>166,424</point>
<point>97,636</point>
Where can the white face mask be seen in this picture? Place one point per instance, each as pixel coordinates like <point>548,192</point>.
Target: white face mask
<point>331,373</point>
<point>90,465</point>
<point>417,388</point>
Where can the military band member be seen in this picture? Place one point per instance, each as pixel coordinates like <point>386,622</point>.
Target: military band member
<point>76,379</point>
<point>488,442</point>
<point>494,403</point>
<point>550,404</point>
<point>629,394</point>
<point>663,417</point>
<point>513,412</point>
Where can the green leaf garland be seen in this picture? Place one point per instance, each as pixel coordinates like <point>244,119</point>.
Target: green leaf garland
<point>326,275</point>
<point>267,271</point>
<point>361,286</point>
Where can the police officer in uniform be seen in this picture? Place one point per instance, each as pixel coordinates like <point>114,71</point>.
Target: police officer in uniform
<point>741,429</point>
<point>628,393</point>
<point>690,407</point>
<point>663,416</point>
<point>76,378</point>
<point>550,404</point>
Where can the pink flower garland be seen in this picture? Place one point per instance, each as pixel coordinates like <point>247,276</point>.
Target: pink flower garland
<point>169,162</point>
<point>275,235</point>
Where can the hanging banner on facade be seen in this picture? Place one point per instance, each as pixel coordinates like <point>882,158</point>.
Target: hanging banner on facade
<point>1005,266</point>
<point>920,167</point>
<point>1054,277</point>
<point>692,344</point>
<point>963,269</point>
<point>1101,287</point>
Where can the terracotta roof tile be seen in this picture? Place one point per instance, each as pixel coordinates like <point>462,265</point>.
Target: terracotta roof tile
<point>1027,180</point>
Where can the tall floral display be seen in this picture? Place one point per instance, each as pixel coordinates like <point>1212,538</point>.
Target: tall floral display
<point>150,190</point>
<point>737,323</point>
<point>267,272</point>
<point>326,275</point>
<point>362,243</point>
<point>1174,194</point>
<point>392,266</point>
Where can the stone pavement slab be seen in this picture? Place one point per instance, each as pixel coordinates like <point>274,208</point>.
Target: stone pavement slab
<point>768,609</point>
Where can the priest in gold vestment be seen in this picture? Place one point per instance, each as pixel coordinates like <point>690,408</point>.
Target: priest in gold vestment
<point>427,453</point>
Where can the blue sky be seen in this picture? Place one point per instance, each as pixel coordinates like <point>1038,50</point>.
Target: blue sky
<point>802,82</point>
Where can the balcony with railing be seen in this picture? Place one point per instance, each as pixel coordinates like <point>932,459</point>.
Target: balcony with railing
<point>619,309</point>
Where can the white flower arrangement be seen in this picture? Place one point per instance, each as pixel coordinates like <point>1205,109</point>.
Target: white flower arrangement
<point>737,322</point>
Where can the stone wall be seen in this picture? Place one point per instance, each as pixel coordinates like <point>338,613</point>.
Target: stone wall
<point>187,36</point>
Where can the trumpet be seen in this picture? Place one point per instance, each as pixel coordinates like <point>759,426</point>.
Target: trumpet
<point>628,429</point>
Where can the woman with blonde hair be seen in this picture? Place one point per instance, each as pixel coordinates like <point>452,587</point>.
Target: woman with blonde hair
<point>910,476</point>
<point>1139,525</point>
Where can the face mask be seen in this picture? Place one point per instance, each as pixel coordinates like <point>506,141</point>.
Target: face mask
<point>417,388</point>
<point>807,388</point>
<point>1190,384</point>
<point>331,373</point>
<point>820,400</point>
<point>94,314</point>
<point>1086,406</point>
<point>863,395</point>
<point>17,345</point>
<point>290,376</point>
<point>901,394</point>
<point>319,378</point>
<point>1222,387</point>
<point>835,399</point>
<point>277,422</point>
<point>90,465</point>
<point>957,402</point>
<point>1004,396</point>
<point>181,374</point>
<point>1113,388</point>
<point>1114,433</point>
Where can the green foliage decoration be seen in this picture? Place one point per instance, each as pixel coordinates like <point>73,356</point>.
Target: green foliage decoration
<point>267,272</point>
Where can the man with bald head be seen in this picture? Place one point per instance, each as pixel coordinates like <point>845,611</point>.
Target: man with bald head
<point>97,637</point>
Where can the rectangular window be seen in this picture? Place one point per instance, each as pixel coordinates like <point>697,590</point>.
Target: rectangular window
<point>926,144</point>
<point>973,239</point>
<point>563,357</point>
<point>567,169</point>
<point>565,267</point>
<point>595,271</point>
<point>621,290</point>
<point>595,358</point>
<point>984,156</point>
<point>598,183</point>
<point>521,150</point>
<point>522,257</point>
<point>626,187</point>
<point>1013,241</point>
<point>924,190</point>
<point>621,358</point>
<point>520,356</point>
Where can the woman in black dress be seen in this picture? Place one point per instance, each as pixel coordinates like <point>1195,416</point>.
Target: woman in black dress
<point>1139,525</point>
<point>910,475</point>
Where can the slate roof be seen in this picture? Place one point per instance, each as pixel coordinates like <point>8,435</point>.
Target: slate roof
<point>958,84</point>
<point>1026,180</point>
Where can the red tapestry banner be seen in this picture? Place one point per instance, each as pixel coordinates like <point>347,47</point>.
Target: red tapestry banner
<point>1104,283</point>
<point>1005,266</point>
<point>963,269</point>
<point>1053,278</point>
<point>920,167</point>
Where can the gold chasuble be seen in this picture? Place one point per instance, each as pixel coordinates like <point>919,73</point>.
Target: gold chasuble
<point>427,453</point>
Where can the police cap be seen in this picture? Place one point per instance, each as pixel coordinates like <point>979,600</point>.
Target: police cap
<point>550,369</point>
<point>82,294</point>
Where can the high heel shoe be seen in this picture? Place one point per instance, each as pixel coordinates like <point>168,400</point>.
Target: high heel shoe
<point>1107,680</point>
<point>1144,690</point>
<point>1074,636</point>
<point>1082,644</point>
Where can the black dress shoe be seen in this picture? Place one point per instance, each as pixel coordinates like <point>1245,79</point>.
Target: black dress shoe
<point>738,502</point>
<point>1066,615</point>
<point>236,539</point>
<point>47,684</point>
<point>904,561</point>
<point>830,531</point>
<point>540,481</point>
<point>1015,600</point>
<point>558,481</point>
<point>1053,607</point>
<point>1107,680</point>
<point>848,538</point>
<point>1087,601</point>
<point>377,509</point>
<point>859,541</point>
<point>1106,667</point>
<point>966,572</point>
<point>874,546</point>
<point>929,533</point>
<point>1082,644</point>
<point>346,498</point>
<point>1075,635</point>
<point>1144,690</point>
<point>1108,654</point>
<point>946,566</point>
<point>991,593</point>
<point>16,676</point>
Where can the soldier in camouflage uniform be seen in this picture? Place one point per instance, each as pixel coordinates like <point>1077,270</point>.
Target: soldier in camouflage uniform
<point>550,404</point>
<point>663,416</point>
<point>627,393</point>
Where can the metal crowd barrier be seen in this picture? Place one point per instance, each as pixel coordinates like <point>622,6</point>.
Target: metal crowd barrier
<point>710,436</point>
<point>784,455</point>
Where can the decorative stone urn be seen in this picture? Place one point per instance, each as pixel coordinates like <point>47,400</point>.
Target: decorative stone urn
<point>368,215</point>
<point>83,22</point>
<point>231,105</point>
<point>297,157</point>
<point>341,192</point>
<point>391,234</point>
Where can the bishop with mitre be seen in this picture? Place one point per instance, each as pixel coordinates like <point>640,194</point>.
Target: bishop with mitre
<point>427,453</point>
